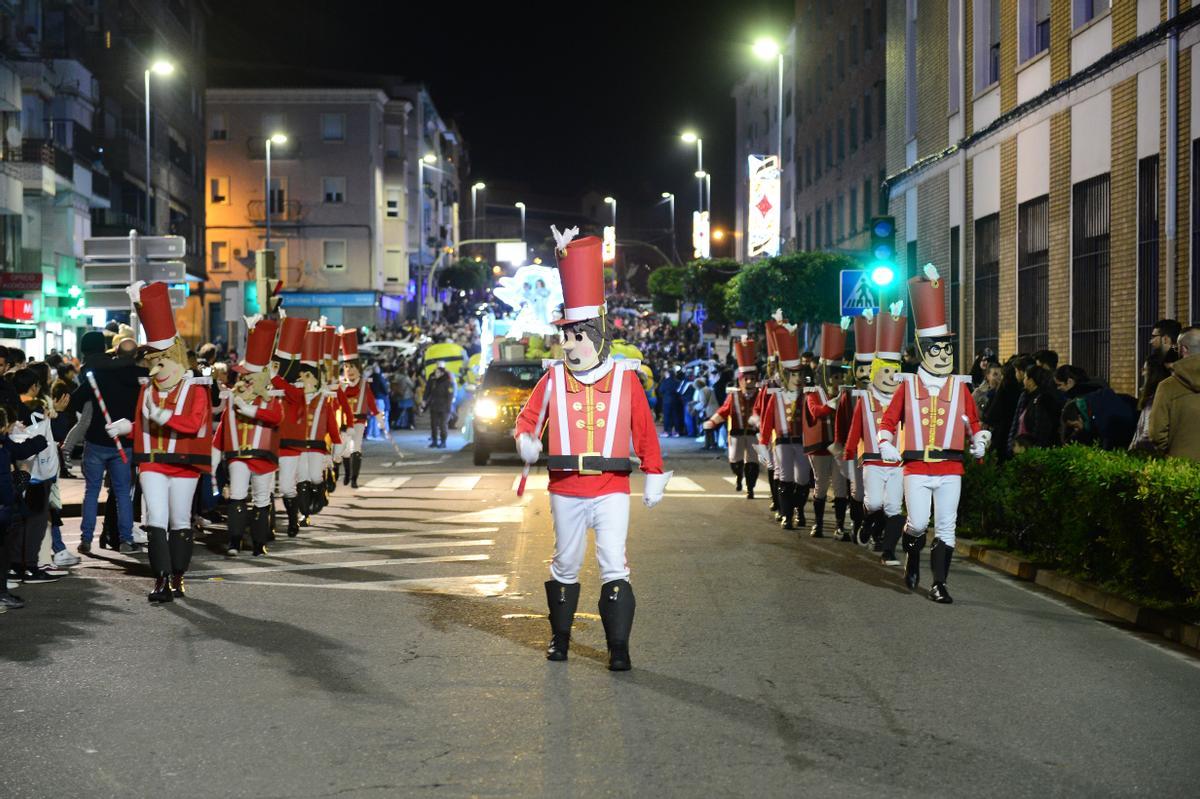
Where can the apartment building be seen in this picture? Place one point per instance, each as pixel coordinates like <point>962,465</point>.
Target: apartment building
<point>1043,154</point>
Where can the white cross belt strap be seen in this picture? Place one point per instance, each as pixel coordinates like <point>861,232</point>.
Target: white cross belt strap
<point>614,407</point>
<point>560,401</point>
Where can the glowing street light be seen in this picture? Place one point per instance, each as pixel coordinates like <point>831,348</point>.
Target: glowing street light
<point>767,49</point>
<point>611,201</point>
<point>521,207</point>
<point>475,188</point>
<point>429,158</point>
<point>274,138</point>
<point>690,137</point>
<point>162,68</point>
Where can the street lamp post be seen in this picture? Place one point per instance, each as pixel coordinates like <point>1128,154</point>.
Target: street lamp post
<point>162,68</point>
<point>767,49</point>
<point>426,162</point>
<point>475,188</point>
<point>521,208</point>
<point>612,201</point>
<point>274,138</point>
<point>670,198</point>
<point>691,138</point>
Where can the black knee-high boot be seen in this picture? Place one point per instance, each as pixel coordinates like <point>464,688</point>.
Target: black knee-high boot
<point>617,606</point>
<point>893,527</point>
<point>356,466</point>
<point>291,505</point>
<point>562,599</point>
<point>181,557</point>
<point>839,515</point>
<point>872,529</point>
<point>818,528</point>
<point>773,484</point>
<point>236,522</point>
<point>913,544</point>
<point>801,499</point>
<point>737,470</point>
<point>939,563</point>
<point>346,473</point>
<point>302,499</point>
<point>856,522</point>
<point>751,472</point>
<point>787,495</point>
<point>159,552</point>
<point>260,529</point>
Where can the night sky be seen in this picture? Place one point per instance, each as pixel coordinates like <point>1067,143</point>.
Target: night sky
<point>565,96</point>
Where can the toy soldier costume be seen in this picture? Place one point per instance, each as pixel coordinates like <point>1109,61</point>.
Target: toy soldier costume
<point>859,380</point>
<point>359,399</point>
<point>172,440</point>
<point>738,409</point>
<point>938,414</point>
<point>820,403</point>
<point>594,408</point>
<point>248,438</point>
<point>779,429</point>
<point>883,482</point>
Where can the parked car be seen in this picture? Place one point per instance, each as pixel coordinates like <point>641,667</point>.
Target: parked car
<point>501,395</point>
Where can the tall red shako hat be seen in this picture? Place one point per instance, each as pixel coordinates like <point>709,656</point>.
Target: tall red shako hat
<point>260,343</point>
<point>155,313</point>
<point>314,346</point>
<point>349,345</point>
<point>787,346</point>
<point>833,343</point>
<point>581,270</point>
<point>927,295</point>
<point>291,338</point>
<point>746,353</point>
<point>865,332</point>
<point>330,342</point>
<point>889,338</point>
<point>774,323</point>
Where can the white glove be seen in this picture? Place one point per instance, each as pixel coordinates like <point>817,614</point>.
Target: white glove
<point>529,448</point>
<point>888,451</point>
<point>652,494</point>
<point>837,450</point>
<point>160,416</point>
<point>764,454</point>
<point>708,425</point>
<point>833,403</point>
<point>754,420</point>
<point>121,427</point>
<point>979,443</point>
<point>246,409</point>
<point>215,456</point>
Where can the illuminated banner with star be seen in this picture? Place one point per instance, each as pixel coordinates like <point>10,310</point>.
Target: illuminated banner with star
<point>762,235</point>
<point>700,244</point>
<point>608,247</point>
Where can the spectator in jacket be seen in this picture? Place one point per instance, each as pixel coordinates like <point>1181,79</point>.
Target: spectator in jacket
<point>992,375</point>
<point>1154,371</point>
<point>672,404</point>
<point>1047,359</point>
<point>1021,364</point>
<point>1039,421</point>
<point>439,397</point>
<point>31,516</point>
<point>1163,336</point>
<point>117,380</point>
<point>1175,411</point>
<point>12,499</point>
<point>704,405</point>
<point>1073,382</point>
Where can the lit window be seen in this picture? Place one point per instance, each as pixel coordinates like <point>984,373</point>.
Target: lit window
<point>217,131</point>
<point>335,254</point>
<point>333,190</point>
<point>220,259</point>
<point>393,203</point>
<point>218,193</point>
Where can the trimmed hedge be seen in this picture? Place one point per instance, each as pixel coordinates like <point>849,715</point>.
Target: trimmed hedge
<point>1107,516</point>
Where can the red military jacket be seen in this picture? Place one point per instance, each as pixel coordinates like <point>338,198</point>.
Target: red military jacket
<point>345,413</point>
<point>360,400</point>
<point>306,424</point>
<point>182,447</point>
<point>737,409</point>
<point>937,415</point>
<point>844,417</point>
<point>779,422</point>
<point>254,441</point>
<point>862,439</point>
<point>591,426</point>
<point>817,421</point>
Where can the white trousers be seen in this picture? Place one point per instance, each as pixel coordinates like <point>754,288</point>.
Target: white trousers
<point>307,467</point>
<point>741,449</point>
<point>943,490</point>
<point>242,481</point>
<point>791,464</point>
<point>826,472</point>
<point>853,472</point>
<point>608,515</point>
<point>355,434</point>
<point>883,487</point>
<point>167,501</point>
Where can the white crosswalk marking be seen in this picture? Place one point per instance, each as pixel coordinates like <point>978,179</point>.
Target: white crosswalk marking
<point>505,514</point>
<point>291,553</point>
<point>731,480</point>
<point>386,482</point>
<point>677,483</point>
<point>536,482</point>
<point>353,564</point>
<point>458,482</point>
<point>472,585</point>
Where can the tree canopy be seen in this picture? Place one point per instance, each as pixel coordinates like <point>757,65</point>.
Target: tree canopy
<point>803,284</point>
<point>465,274</point>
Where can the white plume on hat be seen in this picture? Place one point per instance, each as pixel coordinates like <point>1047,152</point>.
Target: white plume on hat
<point>868,314</point>
<point>846,322</point>
<point>561,240</point>
<point>897,308</point>
<point>134,290</point>
<point>778,315</point>
<point>251,321</point>
<point>931,272</point>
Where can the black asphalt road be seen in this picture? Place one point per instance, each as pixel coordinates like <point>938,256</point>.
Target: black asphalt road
<point>395,649</point>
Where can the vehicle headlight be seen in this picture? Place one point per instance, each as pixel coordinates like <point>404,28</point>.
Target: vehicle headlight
<point>487,409</point>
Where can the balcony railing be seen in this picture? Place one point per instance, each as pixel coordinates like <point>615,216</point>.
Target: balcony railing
<point>288,211</point>
<point>45,152</point>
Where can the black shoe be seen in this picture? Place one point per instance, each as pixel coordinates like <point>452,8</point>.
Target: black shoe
<point>84,548</point>
<point>749,493</point>
<point>618,658</point>
<point>162,591</point>
<point>177,586</point>
<point>913,544</point>
<point>559,645</point>
<point>11,601</point>
<point>939,594</point>
<point>15,576</point>
<point>562,599</point>
<point>36,576</point>
<point>617,606</point>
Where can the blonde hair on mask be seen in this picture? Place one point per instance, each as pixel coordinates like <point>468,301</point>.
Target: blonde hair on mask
<point>879,363</point>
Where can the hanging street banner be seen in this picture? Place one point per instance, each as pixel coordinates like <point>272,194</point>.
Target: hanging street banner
<point>763,229</point>
<point>608,248</point>
<point>700,244</point>
<point>857,293</point>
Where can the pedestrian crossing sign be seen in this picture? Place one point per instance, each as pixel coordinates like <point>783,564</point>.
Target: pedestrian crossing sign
<point>857,293</point>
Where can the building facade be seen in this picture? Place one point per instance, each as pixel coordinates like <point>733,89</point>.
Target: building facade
<point>1042,153</point>
<point>72,102</point>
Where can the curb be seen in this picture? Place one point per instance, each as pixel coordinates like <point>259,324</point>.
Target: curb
<point>1180,632</point>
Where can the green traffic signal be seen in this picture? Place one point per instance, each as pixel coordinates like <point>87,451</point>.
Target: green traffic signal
<point>250,298</point>
<point>882,274</point>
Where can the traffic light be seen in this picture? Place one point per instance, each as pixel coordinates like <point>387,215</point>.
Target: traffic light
<point>883,250</point>
<point>250,305</point>
<point>266,283</point>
